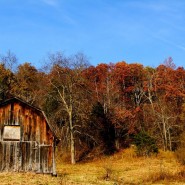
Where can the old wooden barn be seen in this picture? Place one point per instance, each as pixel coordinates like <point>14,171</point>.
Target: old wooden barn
<point>26,139</point>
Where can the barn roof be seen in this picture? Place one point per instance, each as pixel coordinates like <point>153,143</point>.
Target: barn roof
<point>7,101</point>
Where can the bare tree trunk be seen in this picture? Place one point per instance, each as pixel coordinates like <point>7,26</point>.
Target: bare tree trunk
<point>73,161</point>
<point>169,138</point>
<point>72,143</point>
<point>97,94</point>
<point>117,143</point>
<point>165,135</point>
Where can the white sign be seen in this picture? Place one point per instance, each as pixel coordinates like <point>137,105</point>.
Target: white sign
<point>12,133</point>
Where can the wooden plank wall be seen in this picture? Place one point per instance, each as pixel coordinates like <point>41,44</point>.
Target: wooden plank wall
<point>24,157</point>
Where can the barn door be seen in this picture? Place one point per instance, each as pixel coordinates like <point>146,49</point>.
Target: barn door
<point>25,156</point>
<point>18,156</point>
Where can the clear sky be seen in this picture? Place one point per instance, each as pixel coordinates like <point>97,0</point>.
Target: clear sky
<point>142,31</point>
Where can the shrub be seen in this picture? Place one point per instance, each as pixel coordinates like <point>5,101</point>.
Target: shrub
<point>145,144</point>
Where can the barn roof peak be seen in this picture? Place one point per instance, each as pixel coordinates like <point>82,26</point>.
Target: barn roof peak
<point>15,98</point>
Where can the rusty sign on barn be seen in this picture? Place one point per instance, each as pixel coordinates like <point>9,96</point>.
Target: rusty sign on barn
<point>27,142</point>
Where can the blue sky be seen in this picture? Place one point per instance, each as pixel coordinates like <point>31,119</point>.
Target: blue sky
<point>142,31</point>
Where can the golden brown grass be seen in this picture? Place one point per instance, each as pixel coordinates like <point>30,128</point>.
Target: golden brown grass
<point>121,168</point>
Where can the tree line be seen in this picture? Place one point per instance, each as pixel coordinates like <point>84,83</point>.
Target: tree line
<point>100,107</point>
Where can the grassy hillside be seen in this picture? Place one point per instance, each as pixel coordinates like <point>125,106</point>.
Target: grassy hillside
<point>121,168</point>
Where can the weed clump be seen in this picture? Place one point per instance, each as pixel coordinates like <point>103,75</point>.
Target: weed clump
<point>166,176</point>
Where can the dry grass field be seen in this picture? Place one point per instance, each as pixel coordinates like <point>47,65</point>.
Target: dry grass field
<point>122,168</point>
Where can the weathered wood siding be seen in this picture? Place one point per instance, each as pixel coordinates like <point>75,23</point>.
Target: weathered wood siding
<point>33,151</point>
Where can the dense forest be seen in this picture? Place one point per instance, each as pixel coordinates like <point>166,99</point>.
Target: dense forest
<point>102,108</point>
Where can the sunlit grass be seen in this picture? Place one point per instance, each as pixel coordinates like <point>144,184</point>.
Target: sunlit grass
<point>121,168</point>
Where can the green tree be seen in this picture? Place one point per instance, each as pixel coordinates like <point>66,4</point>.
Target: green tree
<point>102,129</point>
<point>145,144</point>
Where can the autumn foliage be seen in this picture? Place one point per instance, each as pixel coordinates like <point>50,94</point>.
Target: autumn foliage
<point>105,106</point>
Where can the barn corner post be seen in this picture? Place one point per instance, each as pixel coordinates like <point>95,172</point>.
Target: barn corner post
<point>54,162</point>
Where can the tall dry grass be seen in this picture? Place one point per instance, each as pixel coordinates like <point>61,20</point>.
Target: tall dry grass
<point>123,167</point>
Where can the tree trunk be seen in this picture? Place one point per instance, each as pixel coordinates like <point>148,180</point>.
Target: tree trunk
<point>169,138</point>
<point>73,161</point>
<point>72,143</point>
<point>117,143</point>
<point>165,136</point>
